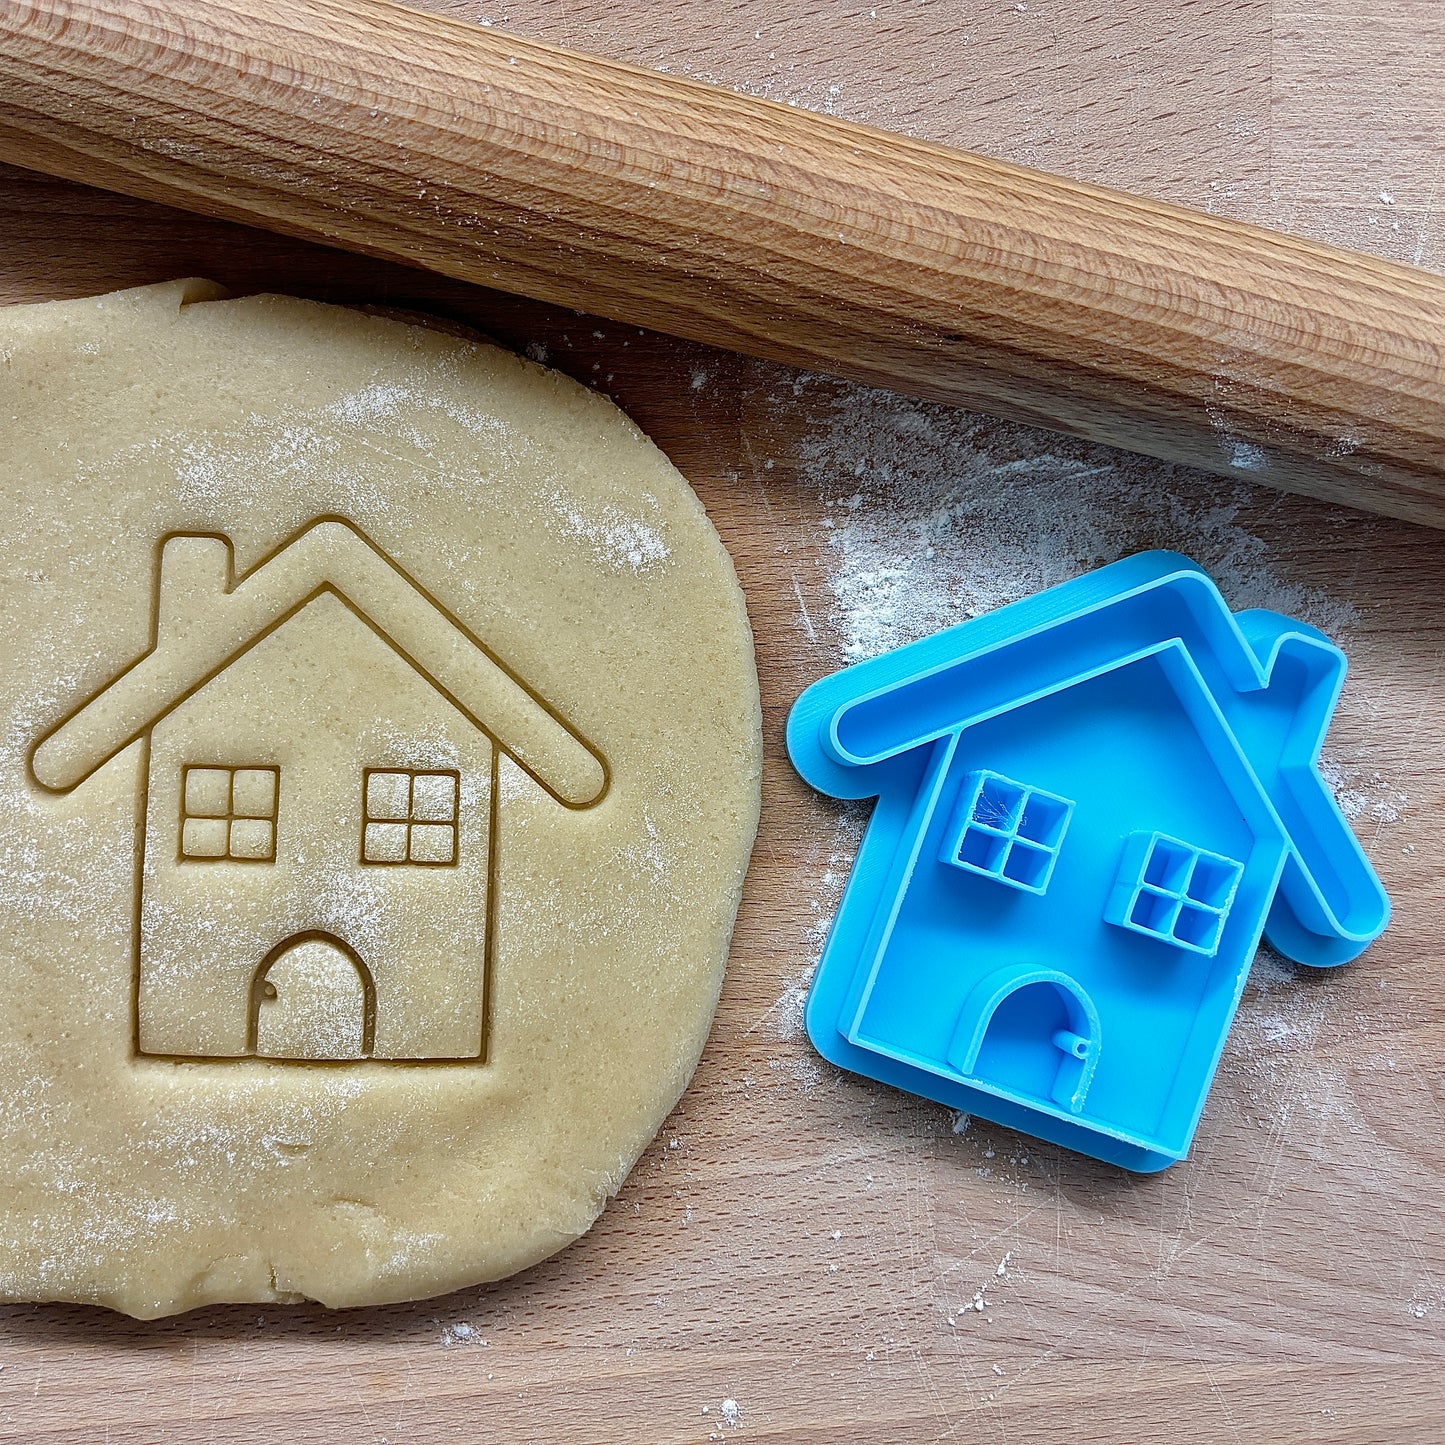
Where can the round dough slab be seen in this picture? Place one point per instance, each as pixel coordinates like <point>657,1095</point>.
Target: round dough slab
<point>380,765</point>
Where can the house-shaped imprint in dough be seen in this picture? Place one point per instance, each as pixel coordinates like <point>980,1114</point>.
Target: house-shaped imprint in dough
<point>317,844</point>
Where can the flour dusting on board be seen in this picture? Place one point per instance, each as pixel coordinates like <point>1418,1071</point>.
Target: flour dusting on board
<point>462,1333</point>
<point>830,860</point>
<point>1364,798</point>
<point>935,515</point>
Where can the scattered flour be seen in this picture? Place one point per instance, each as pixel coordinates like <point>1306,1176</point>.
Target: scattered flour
<point>1364,798</point>
<point>800,1069</point>
<point>849,827</point>
<point>616,540</point>
<point>981,1300</point>
<point>786,1013</point>
<point>1245,456</point>
<point>397,420</point>
<point>1287,1058</point>
<point>935,515</point>
<point>461,1333</point>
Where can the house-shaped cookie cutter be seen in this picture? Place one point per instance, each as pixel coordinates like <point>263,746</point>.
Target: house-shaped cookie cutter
<point>1091,804</point>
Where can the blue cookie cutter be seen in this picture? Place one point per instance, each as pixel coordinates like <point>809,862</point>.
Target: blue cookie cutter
<point>1091,804</point>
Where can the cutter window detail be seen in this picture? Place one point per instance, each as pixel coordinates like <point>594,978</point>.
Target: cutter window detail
<point>229,813</point>
<point>409,816</point>
<point>1174,892</point>
<point>1007,831</point>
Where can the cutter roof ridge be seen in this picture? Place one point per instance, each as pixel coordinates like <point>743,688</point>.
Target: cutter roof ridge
<point>1231,660</point>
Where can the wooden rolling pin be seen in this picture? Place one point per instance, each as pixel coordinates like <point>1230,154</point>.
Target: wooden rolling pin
<point>751,225</point>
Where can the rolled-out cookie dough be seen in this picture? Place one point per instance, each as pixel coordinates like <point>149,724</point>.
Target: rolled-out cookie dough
<point>380,765</point>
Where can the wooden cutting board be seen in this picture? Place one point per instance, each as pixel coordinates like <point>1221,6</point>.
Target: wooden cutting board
<point>799,1256</point>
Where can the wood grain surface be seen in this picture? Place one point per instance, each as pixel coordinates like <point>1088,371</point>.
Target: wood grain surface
<point>725,219</point>
<point>803,1244</point>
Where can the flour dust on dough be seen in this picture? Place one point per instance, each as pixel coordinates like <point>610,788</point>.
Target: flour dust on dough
<point>379,765</point>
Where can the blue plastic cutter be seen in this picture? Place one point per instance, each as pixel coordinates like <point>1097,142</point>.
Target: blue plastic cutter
<point>1091,804</point>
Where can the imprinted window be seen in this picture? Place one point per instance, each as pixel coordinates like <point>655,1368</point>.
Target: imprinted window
<point>410,816</point>
<point>229,813</point>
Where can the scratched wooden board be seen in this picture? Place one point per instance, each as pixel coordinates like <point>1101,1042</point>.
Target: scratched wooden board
<point>804,1244</point>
